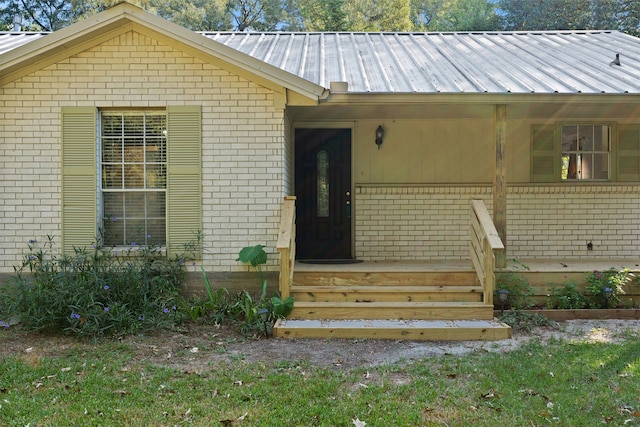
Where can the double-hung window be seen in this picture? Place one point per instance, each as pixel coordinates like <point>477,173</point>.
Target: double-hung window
<point>581,152</point>
<point>585,152</point>
<point>134,177</point>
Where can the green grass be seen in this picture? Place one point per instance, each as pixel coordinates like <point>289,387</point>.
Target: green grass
<point>563,383</point>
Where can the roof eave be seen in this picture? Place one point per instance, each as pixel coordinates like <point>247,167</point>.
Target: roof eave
<point>477,98</point>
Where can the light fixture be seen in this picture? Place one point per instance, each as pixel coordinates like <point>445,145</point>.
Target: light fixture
<point>607,292</point>
<point>264,316</point>
<point>503,296</point>
<point>379,136</point>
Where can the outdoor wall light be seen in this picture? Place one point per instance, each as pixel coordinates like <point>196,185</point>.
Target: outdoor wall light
<point>607,292</point>
<point>379,136</point>
<point>503,296</point>
<point>264,316</point>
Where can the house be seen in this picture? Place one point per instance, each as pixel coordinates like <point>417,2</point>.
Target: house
<point>154,134</point>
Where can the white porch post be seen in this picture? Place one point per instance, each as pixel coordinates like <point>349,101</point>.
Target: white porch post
<point>500,182</point>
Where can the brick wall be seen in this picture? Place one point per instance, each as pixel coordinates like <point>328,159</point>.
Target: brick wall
<point>242,142</point>
<point>543,221</point>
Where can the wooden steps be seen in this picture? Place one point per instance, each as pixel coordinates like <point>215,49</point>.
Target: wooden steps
<point>401,302</point>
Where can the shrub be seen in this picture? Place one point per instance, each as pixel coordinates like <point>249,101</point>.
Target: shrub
<point>520,291</point>
<point>566,296</point>
<point>94,292</point>
<point>614,279</point>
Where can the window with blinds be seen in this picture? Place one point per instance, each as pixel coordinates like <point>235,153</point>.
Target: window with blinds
<point>134,177</point>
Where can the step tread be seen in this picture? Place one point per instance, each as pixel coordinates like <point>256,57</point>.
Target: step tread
<point>419,330</point>
<point>382,288</point>
<point>399,304</point>
<point>389,323</point>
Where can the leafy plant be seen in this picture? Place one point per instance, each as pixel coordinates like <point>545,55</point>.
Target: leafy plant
<point>214,305</point>
<point>566,297</point>
<point>613,279</point>
<point>525,322</point>
<point>252,310</point>
<point>520,291</point>
<point>94,292</point>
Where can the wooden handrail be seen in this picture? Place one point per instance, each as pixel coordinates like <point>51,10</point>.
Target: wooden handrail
<point>484,247</point>
<point>287,245</point>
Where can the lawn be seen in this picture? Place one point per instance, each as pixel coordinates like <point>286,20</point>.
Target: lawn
<point>560,382</point>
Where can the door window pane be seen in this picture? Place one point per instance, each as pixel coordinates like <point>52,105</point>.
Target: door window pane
<point>322,185</point>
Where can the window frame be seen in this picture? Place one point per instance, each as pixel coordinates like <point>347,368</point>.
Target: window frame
<point>101,190</point>
<point>546,152</point>
<point>579,153</point>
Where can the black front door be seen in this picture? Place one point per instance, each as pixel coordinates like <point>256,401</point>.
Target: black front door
<point>323,191</point>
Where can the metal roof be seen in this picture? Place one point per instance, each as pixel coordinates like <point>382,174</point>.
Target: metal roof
<point>567,62</point>
<point>10,41</point>
<point>501,62</point>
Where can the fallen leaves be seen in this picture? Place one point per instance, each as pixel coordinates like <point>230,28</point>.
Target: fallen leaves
<point>358,423</point>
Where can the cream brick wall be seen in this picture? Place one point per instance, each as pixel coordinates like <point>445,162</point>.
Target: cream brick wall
<point>242,142</point>
<point>542,221</point>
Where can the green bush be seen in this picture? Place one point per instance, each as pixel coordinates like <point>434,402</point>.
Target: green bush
<point>520,291</point>
<point>613,279</point>
<point>94,292</point>
<point>566,296</point>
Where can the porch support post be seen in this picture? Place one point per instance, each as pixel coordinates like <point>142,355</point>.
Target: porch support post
<point>500,182</point>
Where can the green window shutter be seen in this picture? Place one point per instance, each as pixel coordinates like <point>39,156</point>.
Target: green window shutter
<point>628,155</point>
<point>184,183</point>
<point>544,159</point>
<point>78,177</point>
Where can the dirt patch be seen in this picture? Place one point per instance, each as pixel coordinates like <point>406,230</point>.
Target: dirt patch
<point>199,347</point>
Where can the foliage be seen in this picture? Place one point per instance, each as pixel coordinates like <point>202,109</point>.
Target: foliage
<point>566,296</point>
<point>520,291</point>
<point>323,15</point>
<point>94,292</point>
<point>347,15</point>
<point>623,15</point>
<point>525,322</point>
<point>378,15</point>
<point>214,305</point>
<point>613,279</point>
<point>263,312</point>
<point>455,15</point>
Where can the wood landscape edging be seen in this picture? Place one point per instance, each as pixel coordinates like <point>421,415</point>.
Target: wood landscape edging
<point>562,315</point>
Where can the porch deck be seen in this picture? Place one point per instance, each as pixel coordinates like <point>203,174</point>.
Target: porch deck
<point>555,265</point>
<point>417,300</point>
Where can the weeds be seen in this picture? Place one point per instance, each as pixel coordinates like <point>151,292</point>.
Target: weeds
<point>525,322</point>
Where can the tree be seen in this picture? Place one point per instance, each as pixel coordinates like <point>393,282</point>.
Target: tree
<point>455,15</point>
<point>546,14</point>
<point>38,15</point>
<point>323,16</point>
<point>263,15</point>
<point>378,15</point>
<point>197,15</point>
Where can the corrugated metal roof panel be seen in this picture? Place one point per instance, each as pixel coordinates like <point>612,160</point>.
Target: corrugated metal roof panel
<point>10,41</point>
<point>500,62</point>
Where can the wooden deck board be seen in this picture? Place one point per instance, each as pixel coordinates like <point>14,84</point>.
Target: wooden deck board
<point>465,265</point>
